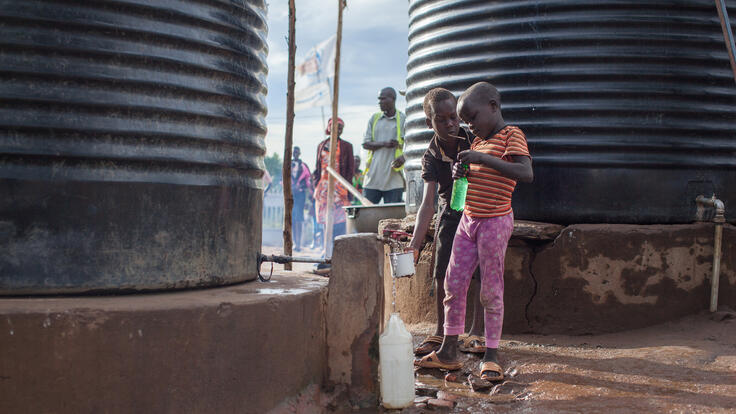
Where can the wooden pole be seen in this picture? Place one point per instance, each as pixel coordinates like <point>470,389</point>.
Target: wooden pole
<point>354,191</point>
<point>333,133</point>
<point>727,34</point>
<point>289,138</point>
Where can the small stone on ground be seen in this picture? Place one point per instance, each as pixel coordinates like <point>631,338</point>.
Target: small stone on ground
<point>441,403</point>
<point>444,395</point>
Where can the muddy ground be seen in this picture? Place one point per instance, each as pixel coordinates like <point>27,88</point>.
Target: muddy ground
<point>683,366</point>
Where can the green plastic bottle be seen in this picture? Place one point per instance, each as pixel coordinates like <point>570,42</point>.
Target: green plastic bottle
<point>459,191</point>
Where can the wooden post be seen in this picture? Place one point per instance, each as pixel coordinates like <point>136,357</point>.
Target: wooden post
<point>354,191</point>
<point>333,133</point>
<point>289,138</point>
<point>727,34</point>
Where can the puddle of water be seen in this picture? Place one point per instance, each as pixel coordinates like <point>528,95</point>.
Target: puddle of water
<point>465,392</point>
<point>282,291</point>
<point>459,389</point>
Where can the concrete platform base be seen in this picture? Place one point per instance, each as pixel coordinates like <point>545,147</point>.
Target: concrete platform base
<point>591,278</point>
<point>238,349</point>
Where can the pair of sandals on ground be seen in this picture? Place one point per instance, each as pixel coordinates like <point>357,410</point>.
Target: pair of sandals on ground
<point>489,370</point>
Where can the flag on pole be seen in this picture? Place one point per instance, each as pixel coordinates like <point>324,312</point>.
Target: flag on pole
<point>312,76</point>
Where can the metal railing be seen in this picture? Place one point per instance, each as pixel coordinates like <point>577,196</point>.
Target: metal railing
<point>273,209</point>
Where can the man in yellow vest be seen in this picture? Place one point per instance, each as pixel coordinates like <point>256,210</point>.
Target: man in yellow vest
<point>384,141</point>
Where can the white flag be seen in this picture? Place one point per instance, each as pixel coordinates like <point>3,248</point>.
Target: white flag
<point>312,76</point>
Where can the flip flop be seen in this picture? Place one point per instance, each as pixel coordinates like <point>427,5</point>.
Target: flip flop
<point>473,343</point>
<point>431,343</point>
<point>490,366</point>
<point>431,361</point>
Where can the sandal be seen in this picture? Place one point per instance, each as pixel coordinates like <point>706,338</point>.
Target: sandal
<point>473,343</point>
<point>431,343</point>
<point>490,366</point>
<point>431,361</point>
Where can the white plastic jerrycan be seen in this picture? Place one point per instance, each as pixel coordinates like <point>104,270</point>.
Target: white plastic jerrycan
<point>397,364</point>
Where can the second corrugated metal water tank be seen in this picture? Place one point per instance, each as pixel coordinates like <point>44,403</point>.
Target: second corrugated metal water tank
<point>629,106</point>
<point>131,144</point>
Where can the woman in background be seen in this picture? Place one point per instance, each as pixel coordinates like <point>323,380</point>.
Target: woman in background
<point>345,165</point>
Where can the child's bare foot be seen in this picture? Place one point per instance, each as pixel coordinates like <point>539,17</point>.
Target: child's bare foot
<point>448,350</point>
<point>433,361</point>
<point>444,358</point>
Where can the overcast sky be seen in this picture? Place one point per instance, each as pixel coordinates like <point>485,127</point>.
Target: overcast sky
<point>374,55</point>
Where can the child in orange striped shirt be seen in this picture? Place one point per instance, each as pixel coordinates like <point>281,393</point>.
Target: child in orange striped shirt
<point>498,158</point>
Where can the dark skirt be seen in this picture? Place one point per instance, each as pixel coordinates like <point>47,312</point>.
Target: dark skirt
<point>297,213</point>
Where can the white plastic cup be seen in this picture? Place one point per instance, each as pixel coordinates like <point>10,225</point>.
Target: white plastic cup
<point>402,264</point>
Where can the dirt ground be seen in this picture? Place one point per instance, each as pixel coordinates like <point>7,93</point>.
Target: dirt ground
<point>683,366</point>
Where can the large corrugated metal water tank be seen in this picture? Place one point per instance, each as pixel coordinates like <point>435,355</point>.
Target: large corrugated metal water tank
<point>629,107</point>
<point>131,144</point>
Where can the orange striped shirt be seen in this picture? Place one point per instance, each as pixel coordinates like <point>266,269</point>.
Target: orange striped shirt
<point>489,193</point>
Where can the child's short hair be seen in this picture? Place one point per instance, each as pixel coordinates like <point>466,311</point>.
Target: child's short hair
<point>482,90</point>
<point>433,97</point>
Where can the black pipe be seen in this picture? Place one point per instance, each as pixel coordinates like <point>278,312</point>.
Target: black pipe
<point>283,259</point>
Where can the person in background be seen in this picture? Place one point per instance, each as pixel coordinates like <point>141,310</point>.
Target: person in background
<point>498,158</point>
<point>448,141</point>
<point>357,181</point>
<point>384,141</point>
<point>316,227</point>
<point>300,186</point>
<point>345,166</point>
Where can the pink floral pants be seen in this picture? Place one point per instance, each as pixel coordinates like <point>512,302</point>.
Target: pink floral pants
<point>478,242</point>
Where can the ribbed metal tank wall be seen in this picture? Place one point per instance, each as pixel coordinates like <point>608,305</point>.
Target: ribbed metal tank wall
<point>629,107</point>
<point>131,143</point>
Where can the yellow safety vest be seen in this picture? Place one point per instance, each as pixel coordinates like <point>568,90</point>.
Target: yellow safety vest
<point>399,149</point>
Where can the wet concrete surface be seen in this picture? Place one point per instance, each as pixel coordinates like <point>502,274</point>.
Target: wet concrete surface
<point>235,349</point>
